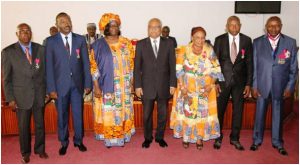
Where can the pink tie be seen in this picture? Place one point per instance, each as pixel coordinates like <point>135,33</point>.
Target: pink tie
<point>28,55</point>
<point>233,51</point>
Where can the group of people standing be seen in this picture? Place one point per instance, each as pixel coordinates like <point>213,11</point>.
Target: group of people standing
<point>200,77</point>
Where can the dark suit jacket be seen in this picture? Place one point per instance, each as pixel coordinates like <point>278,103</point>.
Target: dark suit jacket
<point>174,41</point>
<point>241,72</point>
<point>155,75</point>
<point>61,68</point>
<point>24,83</point>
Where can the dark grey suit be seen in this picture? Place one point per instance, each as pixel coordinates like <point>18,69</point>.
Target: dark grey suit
<point>26,85</point>
<point>155,76</point>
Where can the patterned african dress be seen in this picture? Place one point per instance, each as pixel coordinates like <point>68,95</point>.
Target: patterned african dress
<point>193,115</point>
<point>113,112</point>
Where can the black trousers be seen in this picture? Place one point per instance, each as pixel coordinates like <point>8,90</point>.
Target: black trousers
<point>236,92</point>
<point>148,105</point>
<point>24,116</point>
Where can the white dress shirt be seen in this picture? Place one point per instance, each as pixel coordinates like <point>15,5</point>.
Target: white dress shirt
<point>274,41</point>
<point>157,42</point>
<point>69,39</point>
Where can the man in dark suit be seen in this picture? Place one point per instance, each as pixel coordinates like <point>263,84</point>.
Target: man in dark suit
<point>23,69</point>
<point>234,51</point>
<point>154,79</point>
<point>166,33</point>
<point>275,71</point>
<point>68,76</point>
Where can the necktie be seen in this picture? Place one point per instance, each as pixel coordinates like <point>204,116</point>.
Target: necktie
<point>274,42</point>
<point>67,45</point>
<point>28,54</point>
<point>233,51</point>
<point>155,48</point>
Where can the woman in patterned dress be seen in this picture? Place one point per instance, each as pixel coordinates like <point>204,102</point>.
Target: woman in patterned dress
<point>112,71</point>
<point>194,111</point>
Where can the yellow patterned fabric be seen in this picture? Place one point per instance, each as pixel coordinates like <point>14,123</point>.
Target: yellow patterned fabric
<point>194,114</point>
<point>107,18</point>
<point>113,112</point>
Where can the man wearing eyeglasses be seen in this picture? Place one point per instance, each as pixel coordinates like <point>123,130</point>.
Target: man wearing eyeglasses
<point>154,79</point>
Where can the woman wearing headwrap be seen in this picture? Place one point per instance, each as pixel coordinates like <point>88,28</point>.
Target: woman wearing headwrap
<point>194,111</point>
<point>112,71</point>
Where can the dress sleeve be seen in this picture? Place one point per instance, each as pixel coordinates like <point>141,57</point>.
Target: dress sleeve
<point>180,53</point>
<point>215,70</point>
<point>131,57</point>
<point>94,69</point>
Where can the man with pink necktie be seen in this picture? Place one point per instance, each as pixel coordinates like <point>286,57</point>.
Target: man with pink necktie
<point>23,71</point>
<point>234,51</point>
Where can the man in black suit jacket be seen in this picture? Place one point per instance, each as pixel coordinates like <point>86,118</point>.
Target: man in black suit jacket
<point>23,69</point>
<point>154,79</point>
<point>234,51</point>
<point>166,33</point>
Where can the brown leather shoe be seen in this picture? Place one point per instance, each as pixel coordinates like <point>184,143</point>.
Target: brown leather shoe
<point>43,155</point>
<point>25,159</point>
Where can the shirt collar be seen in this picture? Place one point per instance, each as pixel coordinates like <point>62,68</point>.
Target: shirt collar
<point>236,36</point>
<point>24,47</point>
<point>157,39</point>
<point>68,35</point>
<point>274,38</point>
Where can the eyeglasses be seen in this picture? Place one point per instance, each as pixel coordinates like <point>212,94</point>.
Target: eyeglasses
<point>154,27</point>
<point>24,31</point>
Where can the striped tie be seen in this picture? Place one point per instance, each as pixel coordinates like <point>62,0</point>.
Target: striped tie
<point>67,45</point>
<point>155,48</point>
<point>28,54</point>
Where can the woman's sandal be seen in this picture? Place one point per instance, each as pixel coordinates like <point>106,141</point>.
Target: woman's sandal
<point>199,146</point>
<point>185,145</point>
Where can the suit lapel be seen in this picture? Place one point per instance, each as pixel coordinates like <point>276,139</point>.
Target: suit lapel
<point>34,52</point>
<point>241,46</point>
<point>226,45</point>
<point>73,45</point>
<point>161,47</point>
<point>150,48</point>
<point>61,45</point>
<point>269,48</point>
<point>280,47</point>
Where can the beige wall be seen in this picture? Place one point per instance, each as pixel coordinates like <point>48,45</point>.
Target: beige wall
<point>180,16</point>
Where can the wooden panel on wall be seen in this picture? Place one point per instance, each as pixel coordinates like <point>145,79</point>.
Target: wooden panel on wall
<point>9,124</point>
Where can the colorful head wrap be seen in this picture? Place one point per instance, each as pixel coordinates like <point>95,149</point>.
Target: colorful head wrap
<point>107,18</point>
